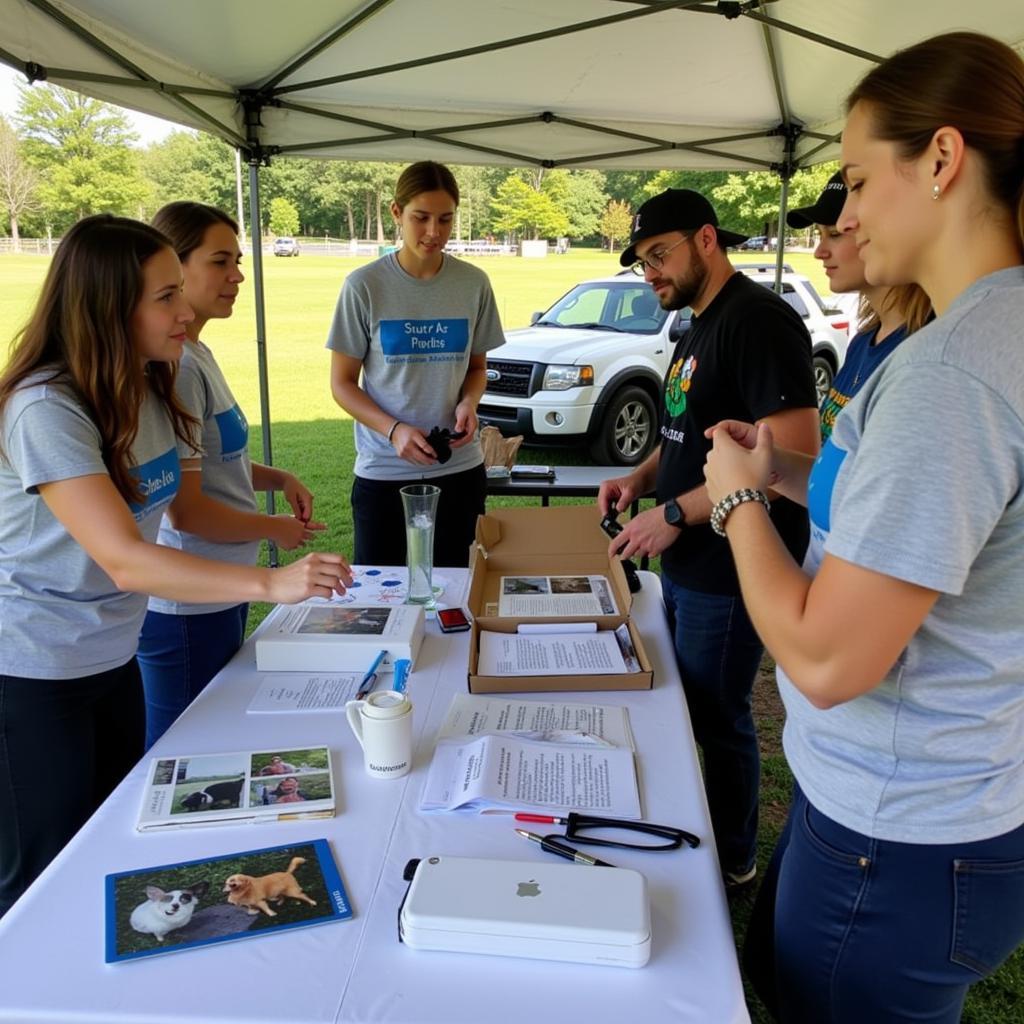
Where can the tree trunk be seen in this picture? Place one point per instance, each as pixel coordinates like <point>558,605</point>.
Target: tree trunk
<point>15,237</point>
<point>350,213</point>
<point>380,222</point>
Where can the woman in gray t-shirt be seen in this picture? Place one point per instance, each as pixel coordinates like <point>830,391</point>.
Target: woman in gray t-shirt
<point>409,342</point>
<point>899,879</point>
<point>91,443</point>
<point>184,644</point>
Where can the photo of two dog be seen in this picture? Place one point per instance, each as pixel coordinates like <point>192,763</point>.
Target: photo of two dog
<point>223,897</point>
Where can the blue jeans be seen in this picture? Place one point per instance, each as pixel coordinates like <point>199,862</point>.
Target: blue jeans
<point>848,929</point>
<point>179,655</point>
<point>718,653</point>
<point>64,745</point>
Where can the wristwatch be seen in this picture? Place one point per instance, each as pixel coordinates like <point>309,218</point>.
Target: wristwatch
<point>674,515</point>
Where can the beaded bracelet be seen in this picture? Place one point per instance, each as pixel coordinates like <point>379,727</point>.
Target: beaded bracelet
<point>723,508</point>
<point>392,429</point>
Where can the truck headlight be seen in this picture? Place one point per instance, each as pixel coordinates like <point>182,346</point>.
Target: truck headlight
<point>561,378</point>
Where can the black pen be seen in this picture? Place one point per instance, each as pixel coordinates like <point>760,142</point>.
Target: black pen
<point>552,844</point>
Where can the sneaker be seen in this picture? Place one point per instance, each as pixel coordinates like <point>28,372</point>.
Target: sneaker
<point>735,881</point>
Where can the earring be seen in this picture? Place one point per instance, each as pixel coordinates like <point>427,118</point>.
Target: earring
<point>936,191</point>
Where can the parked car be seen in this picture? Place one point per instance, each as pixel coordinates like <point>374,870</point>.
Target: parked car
<point>286,247</point>
<point>755,242</point>
<point>827,325</point>
<point>589,370</point>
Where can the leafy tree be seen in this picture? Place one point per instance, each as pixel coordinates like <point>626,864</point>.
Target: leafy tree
<point>18,181</point>
<point>476,187</point>
<point>82,149</point>
<point>191,165</point>
<point>284,218</point>
<point>580,195</point>
<point>630,187</point>
<point>616,222</point>
<point>522,211</point>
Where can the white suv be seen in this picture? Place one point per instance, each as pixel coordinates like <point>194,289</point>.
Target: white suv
<point>589,371</point>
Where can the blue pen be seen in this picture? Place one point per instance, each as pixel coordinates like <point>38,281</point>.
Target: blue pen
<point>402,666</point>
<point>371,676</point>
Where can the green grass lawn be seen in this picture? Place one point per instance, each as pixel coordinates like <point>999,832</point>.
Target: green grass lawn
<point>313,438</point>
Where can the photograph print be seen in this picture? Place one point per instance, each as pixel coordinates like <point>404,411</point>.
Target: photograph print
<point>219,899</point>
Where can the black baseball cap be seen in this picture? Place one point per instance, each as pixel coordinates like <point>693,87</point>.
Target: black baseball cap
<point>826,210</point>
<point>675,209</point>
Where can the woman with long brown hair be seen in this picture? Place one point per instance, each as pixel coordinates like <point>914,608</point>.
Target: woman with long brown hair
<point>91,443</point>
<point>899,879</point>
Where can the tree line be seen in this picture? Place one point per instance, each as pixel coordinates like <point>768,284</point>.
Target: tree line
<point>64,156</point>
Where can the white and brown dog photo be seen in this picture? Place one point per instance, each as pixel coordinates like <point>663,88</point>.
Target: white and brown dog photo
<point>164,912</point>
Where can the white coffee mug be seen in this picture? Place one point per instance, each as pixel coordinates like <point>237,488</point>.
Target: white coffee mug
<point>382,722</point>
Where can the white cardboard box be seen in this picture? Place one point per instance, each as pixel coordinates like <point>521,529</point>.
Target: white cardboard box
<point>325,636</point>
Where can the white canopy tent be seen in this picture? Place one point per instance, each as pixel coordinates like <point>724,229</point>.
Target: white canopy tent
<point>648,84</point>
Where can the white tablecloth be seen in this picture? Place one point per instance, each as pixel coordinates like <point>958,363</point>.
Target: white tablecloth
<point>51,942</point>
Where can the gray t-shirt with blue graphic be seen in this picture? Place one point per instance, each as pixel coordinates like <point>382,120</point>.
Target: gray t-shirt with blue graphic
<point>227,470</point>
<point>61,616</point>
<point>415,338</point>
<point>923,480</point>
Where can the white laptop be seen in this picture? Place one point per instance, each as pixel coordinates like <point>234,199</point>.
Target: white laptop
<point>536,909</point>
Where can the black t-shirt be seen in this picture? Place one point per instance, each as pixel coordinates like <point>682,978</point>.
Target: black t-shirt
<point>748,355</point>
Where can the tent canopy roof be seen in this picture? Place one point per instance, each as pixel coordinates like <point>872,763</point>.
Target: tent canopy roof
<point>645,84</point>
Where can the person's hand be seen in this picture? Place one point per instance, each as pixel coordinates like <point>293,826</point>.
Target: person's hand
<point>732,465</point>
<point>742,433</point>
<point>465,420</point>
<point>298,496</point>
<point>620,492</point>
<point>411,445</point>
<point>317,575</point>
<point>646,533</point>
<point>289,532</point>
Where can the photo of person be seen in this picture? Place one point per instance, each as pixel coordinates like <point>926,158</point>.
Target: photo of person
<point>288,762</point>
<point>290,789</point>
<point>277,766</point>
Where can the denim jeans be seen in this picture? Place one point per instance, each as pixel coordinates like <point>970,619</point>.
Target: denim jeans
<point>848,929</point>
<point>718,653</point>
<point>64,745</point>
<point>179,655</point>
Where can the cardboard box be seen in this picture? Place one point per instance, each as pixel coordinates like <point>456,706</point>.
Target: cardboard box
<point>562,541</point>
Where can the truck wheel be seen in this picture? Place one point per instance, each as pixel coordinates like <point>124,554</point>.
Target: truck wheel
<point>823,374</point>
<point>627,432</point>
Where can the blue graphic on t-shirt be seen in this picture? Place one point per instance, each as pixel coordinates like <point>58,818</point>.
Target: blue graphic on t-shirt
<point>435,337</point>
<point>821,482</point>
<point>158,482</point>
<point>234,433</point>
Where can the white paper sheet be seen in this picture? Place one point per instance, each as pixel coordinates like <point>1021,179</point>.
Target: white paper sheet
<point>503,771</point>
<point>565,654</point>
<point>472,715</point>
<point>536,596</point>
<point>297,691</point>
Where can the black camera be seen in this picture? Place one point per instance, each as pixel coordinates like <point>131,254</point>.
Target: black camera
<point>440,440</point>
<point>610,523</point>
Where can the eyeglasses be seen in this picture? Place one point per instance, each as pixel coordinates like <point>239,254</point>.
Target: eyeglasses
<point>629,835</point>
<point>656,260</point>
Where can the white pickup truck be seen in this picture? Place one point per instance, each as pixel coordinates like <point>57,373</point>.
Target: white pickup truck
<point>589,370</point>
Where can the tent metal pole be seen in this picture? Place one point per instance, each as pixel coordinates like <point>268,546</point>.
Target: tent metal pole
<point>256,251</point>
<point>780,248</point>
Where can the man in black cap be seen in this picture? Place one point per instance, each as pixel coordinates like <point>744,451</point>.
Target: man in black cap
<point>747,356</point>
